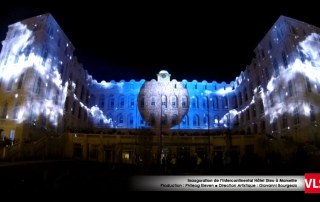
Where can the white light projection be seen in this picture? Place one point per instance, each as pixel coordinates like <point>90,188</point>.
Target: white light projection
<point>17,61</point>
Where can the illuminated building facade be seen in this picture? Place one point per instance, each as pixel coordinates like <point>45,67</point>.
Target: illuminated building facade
<point>42,86</point>
<point>44,90</point>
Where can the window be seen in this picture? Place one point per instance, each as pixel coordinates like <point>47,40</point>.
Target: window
<point>10,83</point>
<point>248,114</point>
<point>163,119</point>
<point>48,88</point>
<point>92,100</point>
<point>240,99</point>
<point>153,103</point>
<point>66,105</point>
<point>17,56</point>
<point>284,120</point>
<point>33,114</point>
<point>254,110</point>
<point>163,101</point>
<point>111,102</point>
<point>281,94</point>
<point>44,57</point>
<point>20,81</point>
<point>195,120</point>
<point>245,95</point>
<point>174,120</point>
<point>121,102</point>
<point>312,115</point>
<point>267,74</point>
<point>54,65</point>
<point>152,120</point>
<point>302,56</point>
<point>44,118</point>
<point>28,51</point>
<point>204,101</point>
<point>276,68</point>
<point>235,101</point>
<point>284,59</point>
<point>56,101</point>
<point>318,85</point>
<point>184,102</point>
<point>308,84</point>
<point>120,119</point>
<point>142,102</point>
<point>102,101</point>
<point>226,103</point>
<point>174,101</point>
<point>290,88</point>
<point>296,116</point>
<point>185,121</point>
<point>130,120</point>
<point>205,119</point>
<point>217,102</point>
<point>193,102</point>
<point>6,58</point>
<point>262,53</point>
<point>275,124</point>
<point>271,100</point>
<point>16,110</point>
<point>131,102</point>
<point>38,86</point>
<point>261,107</point>
<point>4,111</point>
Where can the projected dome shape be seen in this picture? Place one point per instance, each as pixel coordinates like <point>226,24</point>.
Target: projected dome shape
<point>163,102</point>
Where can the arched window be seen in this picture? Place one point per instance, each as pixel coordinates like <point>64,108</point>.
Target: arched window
<point>44,118</point>
<point>33,114</point>
<point>217,102</point>
<point>184,102</point>
<point>204,102</point>
<point>275,124</point>
<point>245,94</point>
<point>111,102</point>
<point>174,101</point>
<point>284,120</point>
<point>236,121</point>
<point>101,102</point>
<point>10,83</point>
<point>195,120</point>
<point>174,120</point>
<point>16,111</point>
<point>121,102</point>
<point>163,101</point>
<point>142,102</point>
<point>163,119</point>
<point>4,111</point>
<point>152,120</point>
<point>240,99</point>
<point>185,121</point>
<point>131,102</point>
<point>153,102</point>
<point>226,102</point>
<point>235,101</point>
<point>194,103</point>
<point>20,81</point>
<point>120,120</point>
<point>312,115</point>
<point>130,120</point>
<point>92,100</point>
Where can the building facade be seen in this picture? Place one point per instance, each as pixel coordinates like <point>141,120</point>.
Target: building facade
<point>45,92</point>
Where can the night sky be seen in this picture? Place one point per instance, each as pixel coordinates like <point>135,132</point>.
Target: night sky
<point>195,42</point>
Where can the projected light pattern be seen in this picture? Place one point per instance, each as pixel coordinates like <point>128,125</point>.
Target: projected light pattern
<point>42,83</point>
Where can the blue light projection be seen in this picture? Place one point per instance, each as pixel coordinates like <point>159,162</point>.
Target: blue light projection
<point>194,105</point>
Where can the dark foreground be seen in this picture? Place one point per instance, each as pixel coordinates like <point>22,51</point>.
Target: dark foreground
<point>60,178</point>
